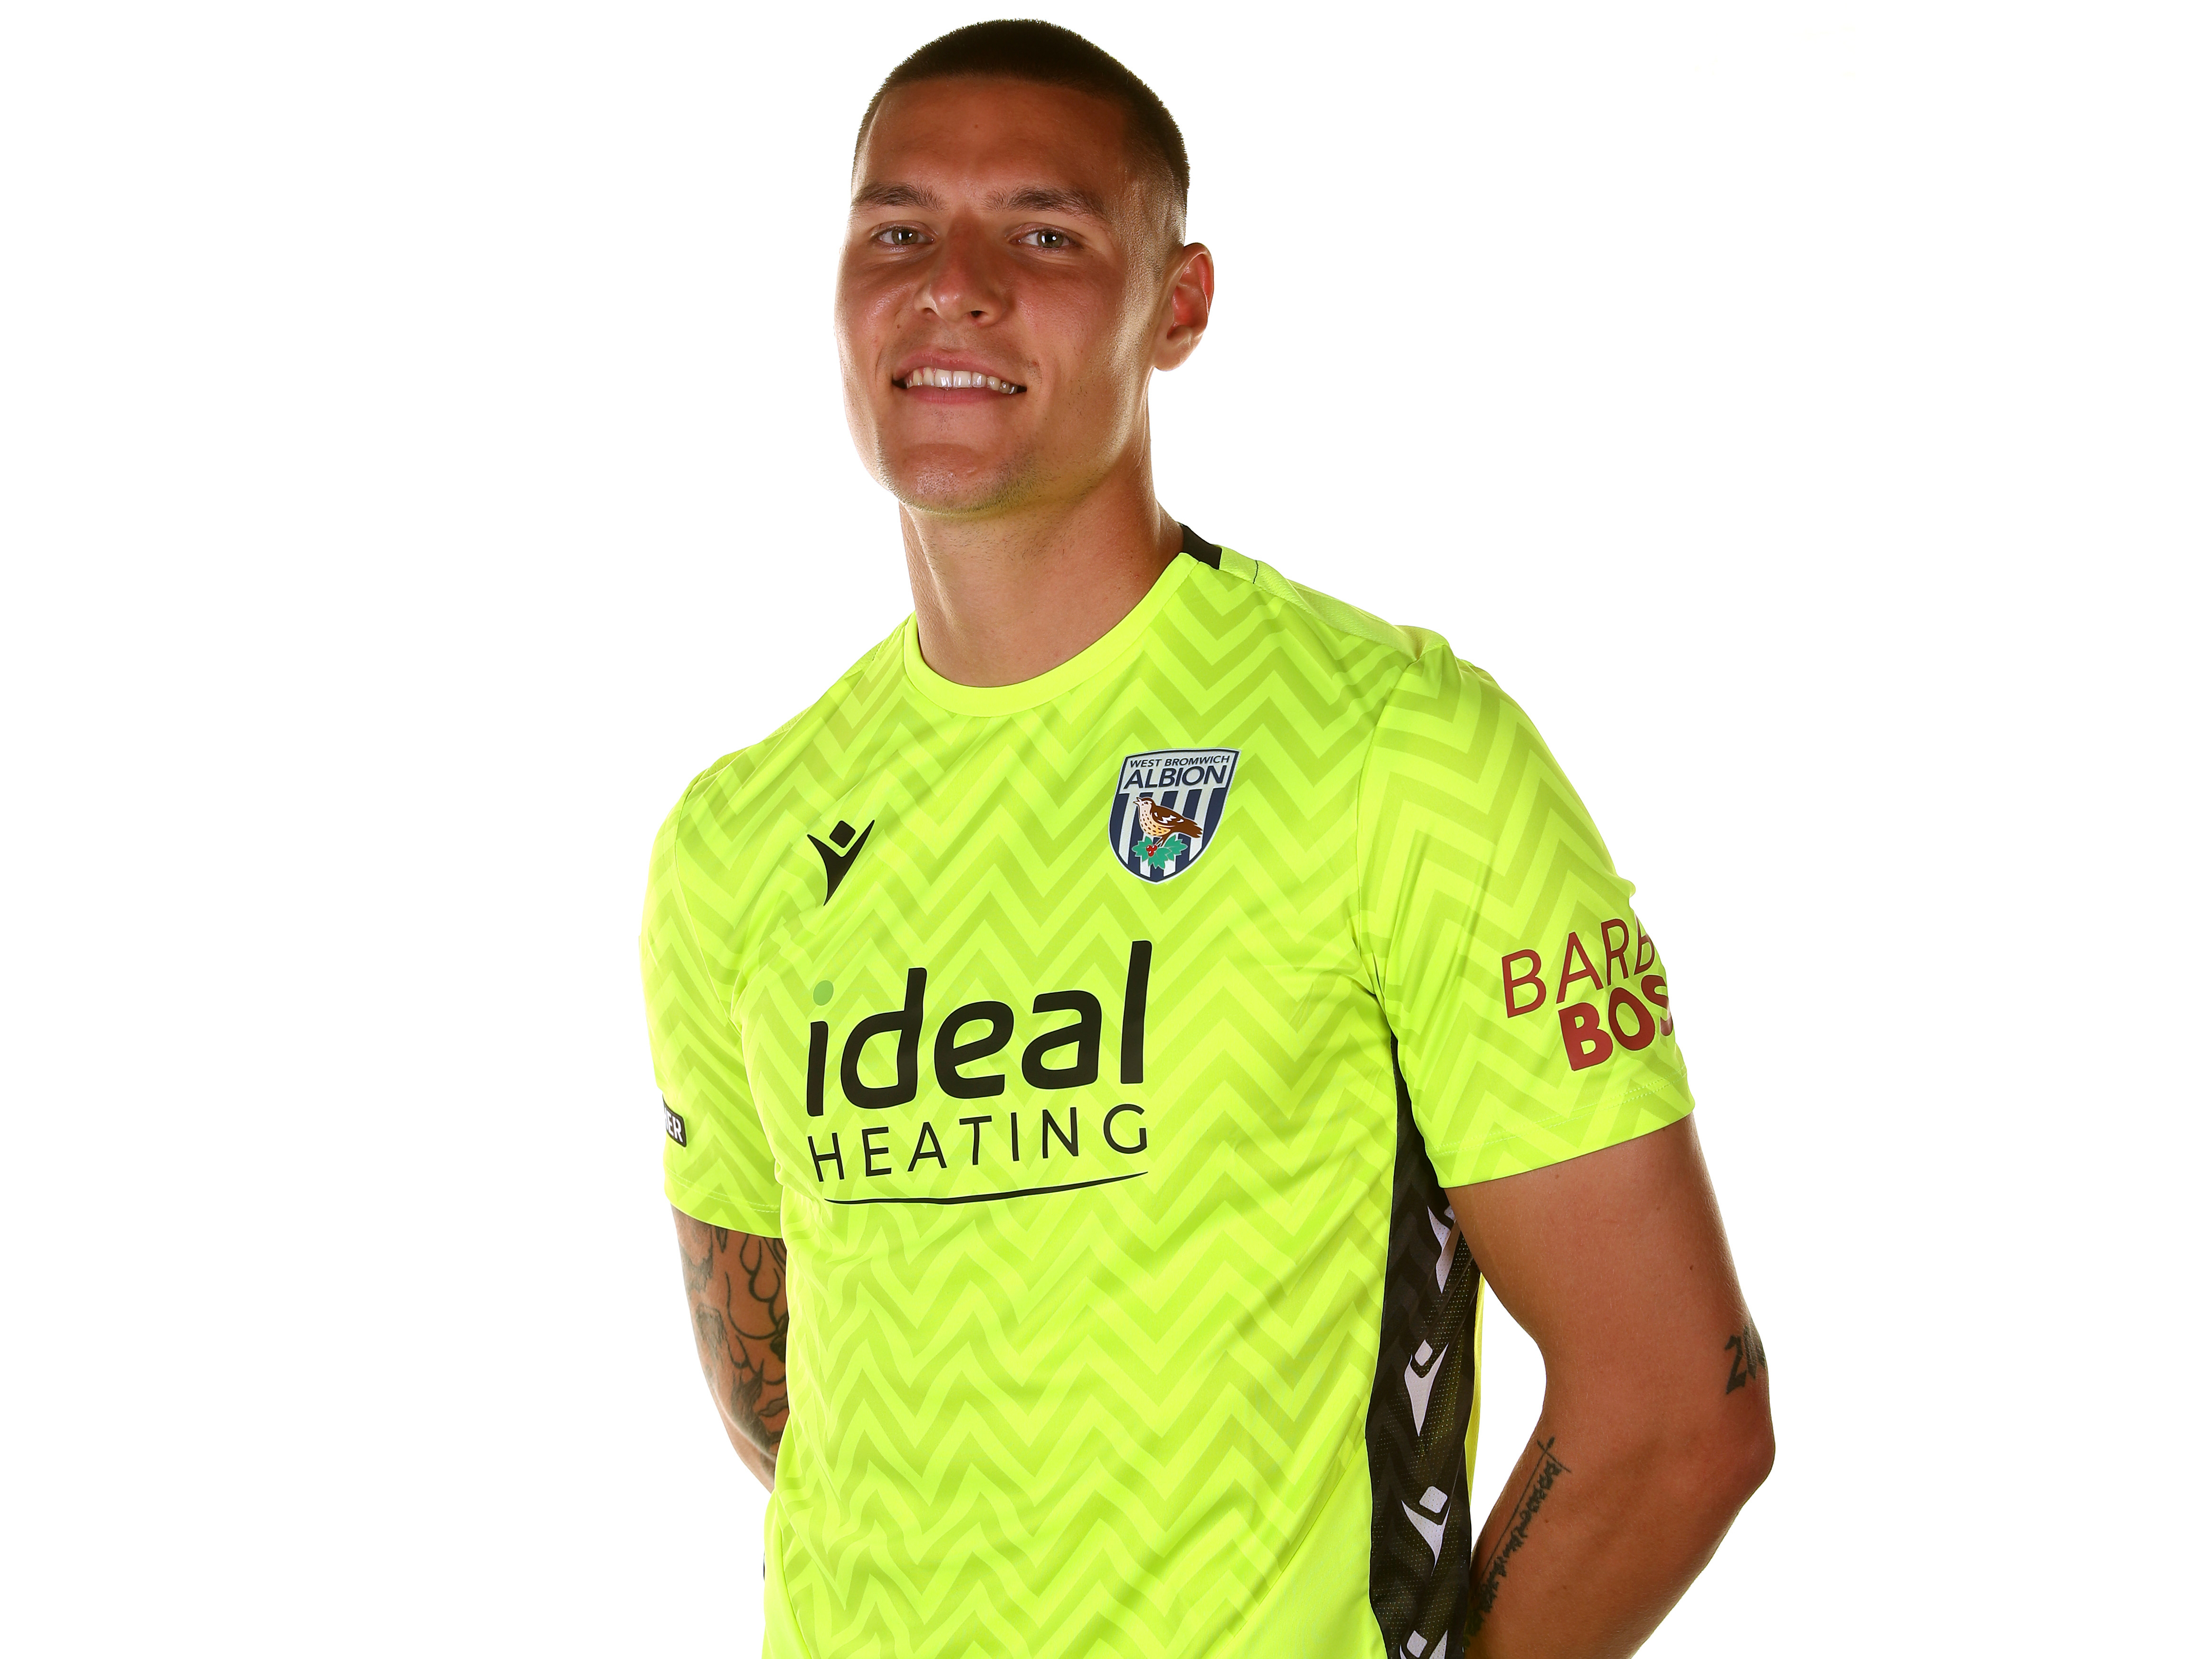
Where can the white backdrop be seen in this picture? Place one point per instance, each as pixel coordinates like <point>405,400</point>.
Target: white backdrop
<point>420,454</point>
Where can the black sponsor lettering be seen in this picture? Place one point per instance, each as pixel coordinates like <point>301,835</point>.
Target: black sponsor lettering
<point>1143,1135</point>
<point>952,1054</point>
<point>1133,1011</point>
<point>817,1060</point>
<point>1065,1056</point>
<point>904,1022</point>
<point>1082,1036</point>
<point>924,1145</point>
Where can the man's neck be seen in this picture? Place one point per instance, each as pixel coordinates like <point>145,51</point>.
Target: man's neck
<point>1003,599</point>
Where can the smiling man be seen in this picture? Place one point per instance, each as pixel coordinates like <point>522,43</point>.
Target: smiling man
<point>1111,1038</point>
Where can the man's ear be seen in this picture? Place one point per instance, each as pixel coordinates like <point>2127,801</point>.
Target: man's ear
<point>1190,302</point>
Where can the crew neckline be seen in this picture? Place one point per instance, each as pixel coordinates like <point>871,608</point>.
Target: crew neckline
<point>1102,653</point>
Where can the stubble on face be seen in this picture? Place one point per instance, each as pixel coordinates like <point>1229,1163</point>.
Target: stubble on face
<point>992,230</point>
<point>952,489</point>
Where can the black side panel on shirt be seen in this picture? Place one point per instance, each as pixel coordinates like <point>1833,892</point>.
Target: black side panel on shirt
<point>1201,549</point>
<point>1425,1383</point>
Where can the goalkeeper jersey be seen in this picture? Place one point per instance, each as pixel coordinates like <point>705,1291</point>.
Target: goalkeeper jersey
<point>1102,1047</point>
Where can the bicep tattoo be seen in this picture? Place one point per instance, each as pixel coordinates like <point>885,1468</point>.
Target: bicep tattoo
<point>742,1321</point>
<point>1748,1357</point>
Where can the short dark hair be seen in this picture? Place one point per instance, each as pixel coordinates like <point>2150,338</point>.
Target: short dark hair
<point>1027,49</point>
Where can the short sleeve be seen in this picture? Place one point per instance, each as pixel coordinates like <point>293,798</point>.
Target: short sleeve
<point>718,1165</point>
<point>1529,1005</point>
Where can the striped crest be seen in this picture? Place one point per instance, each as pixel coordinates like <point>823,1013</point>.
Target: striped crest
<point>1181,791</point>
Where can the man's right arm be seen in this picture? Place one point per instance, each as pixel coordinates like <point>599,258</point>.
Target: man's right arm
<point>740,1319</point>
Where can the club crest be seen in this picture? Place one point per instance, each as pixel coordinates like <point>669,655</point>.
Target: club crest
<point>1167,806</point>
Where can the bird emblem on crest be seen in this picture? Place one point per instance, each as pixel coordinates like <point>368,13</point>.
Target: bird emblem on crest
<point>1168,834</point>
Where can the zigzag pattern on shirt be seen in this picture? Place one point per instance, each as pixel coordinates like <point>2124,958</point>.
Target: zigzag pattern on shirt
<point>1130,1419</point>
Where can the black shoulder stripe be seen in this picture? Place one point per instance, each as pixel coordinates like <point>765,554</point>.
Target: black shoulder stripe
<point>1201,549</point>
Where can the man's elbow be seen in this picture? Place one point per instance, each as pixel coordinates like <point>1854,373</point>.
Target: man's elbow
<point>1749,1458</point>
<point>1717,1469</point>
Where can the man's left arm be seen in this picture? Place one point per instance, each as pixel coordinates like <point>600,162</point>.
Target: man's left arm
<point>1654,1427</point>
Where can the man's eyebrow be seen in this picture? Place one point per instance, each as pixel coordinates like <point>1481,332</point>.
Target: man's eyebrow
<point>1026,198</point>
<point>1052,198</point>
<point>897,196</point>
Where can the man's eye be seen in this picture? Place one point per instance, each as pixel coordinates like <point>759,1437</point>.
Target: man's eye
<point>900,235</point>
<point>1052,238</point>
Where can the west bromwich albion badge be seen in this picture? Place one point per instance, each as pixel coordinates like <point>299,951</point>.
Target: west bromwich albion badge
<point>1167,809</point>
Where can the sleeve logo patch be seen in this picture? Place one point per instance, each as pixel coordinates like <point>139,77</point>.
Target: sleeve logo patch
<point>672,1120</point>
<point>1167,809</point>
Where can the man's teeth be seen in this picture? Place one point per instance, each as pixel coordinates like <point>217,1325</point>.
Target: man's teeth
<point>956,379</point>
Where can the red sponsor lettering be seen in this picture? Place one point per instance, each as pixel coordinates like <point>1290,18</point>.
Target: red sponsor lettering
<point>1654,993</point>
<point>1647,953</point>
<point>1514,981</point>
<point>1585,1036</point>
<point>1615,952</point>
<point>1645,1028</point>
<point>1569,973</point>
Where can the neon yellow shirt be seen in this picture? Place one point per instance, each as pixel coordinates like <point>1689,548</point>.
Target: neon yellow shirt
<point>1101,1046</point>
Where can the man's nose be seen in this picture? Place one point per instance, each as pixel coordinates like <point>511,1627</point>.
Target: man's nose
<point>964,281</point>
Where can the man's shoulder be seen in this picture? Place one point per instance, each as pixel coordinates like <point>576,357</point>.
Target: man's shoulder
<point>1415,708</point>
<point>742,799</point>
<point>1325,613</point>
<point>1336,640</point>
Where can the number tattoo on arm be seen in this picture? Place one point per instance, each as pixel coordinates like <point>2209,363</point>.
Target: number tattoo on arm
<point>1749,1357</point>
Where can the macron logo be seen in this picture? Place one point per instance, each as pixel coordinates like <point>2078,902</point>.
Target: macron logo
<point>836,863</point>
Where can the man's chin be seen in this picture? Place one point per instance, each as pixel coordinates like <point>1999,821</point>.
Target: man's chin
<point>955,486</point>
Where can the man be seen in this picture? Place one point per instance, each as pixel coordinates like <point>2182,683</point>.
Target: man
<point>1111,1037</point>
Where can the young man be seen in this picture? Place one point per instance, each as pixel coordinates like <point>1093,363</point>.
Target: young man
<point>1111,1037</point>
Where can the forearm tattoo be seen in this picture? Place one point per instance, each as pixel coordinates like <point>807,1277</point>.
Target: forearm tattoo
<point>1748,1357</point>
<point>742,1321</point>
<point>1541,1478</point>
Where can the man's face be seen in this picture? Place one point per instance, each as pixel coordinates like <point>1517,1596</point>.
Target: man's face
<point>998,231</point>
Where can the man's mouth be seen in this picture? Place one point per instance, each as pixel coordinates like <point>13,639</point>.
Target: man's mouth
<point>958,379</point>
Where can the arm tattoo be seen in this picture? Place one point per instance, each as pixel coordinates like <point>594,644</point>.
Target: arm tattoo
<point>742,1322</point>
<point>1750,1357</point>
<point>1541,1478</point>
